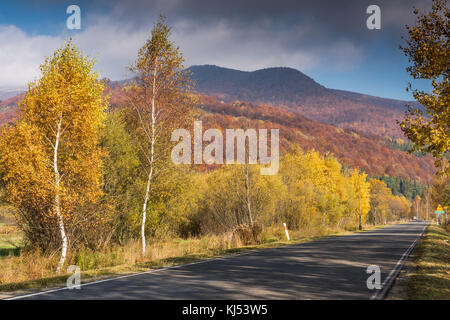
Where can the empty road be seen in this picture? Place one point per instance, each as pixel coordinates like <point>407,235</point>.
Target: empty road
<point>329,268</point>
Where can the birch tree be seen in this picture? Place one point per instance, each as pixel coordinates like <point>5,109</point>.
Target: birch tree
<point>65,109</point>
<point>161,102</point>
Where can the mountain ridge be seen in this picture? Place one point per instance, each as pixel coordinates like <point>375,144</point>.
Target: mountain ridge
<point>217,70</point>
<point>293,90</point>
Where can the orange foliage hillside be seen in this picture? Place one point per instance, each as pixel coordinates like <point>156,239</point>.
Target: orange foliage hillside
<point>352,148</point>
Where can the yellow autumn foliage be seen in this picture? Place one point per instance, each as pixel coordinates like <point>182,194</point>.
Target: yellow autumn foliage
<point>67,100</point>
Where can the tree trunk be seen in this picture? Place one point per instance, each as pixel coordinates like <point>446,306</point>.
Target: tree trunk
<point>57,203</point>
<point>247,184</point>
<point>359,193</point>
<point>144,209</point>
<point>152,151</point>
<point>247,189</point>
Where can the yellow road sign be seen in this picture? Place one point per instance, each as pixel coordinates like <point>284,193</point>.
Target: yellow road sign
<point>439,208</point>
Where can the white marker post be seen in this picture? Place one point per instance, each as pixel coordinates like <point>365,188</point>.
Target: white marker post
<point>286,230</point>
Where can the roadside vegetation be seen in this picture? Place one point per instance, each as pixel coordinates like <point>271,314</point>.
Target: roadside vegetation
<point>431,278</point>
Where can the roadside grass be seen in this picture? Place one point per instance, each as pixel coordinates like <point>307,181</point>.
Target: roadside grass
<point>431,278</point>
<point>35,271</point>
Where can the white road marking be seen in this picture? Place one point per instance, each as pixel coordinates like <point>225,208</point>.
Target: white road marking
<point>132,275</point>
<point>387,283</point>
<point>112,279</point>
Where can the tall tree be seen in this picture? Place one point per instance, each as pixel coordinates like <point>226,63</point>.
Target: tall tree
<point>361,189</point>
<point>63,110</point>
<point>440,189</point>
<point>428,49</point>
<point>120,174</point>
<point>380,196</point>
<point>161,101</point>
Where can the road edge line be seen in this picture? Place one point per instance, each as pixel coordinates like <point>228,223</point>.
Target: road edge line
<point>133,275</point>
<point>389,281</point>
<point>109,279</point>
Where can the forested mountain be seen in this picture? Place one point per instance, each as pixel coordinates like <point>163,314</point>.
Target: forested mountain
<point>293,90</point>
<point>8,108</point>
<point>272,85</point>
<point>6,93</point>
<point>353,147</point>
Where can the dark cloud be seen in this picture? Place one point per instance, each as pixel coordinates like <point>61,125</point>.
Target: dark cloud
<point>325,20</point>
<point>309,32</point>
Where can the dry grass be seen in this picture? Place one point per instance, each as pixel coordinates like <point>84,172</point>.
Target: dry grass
<point>431,279</point>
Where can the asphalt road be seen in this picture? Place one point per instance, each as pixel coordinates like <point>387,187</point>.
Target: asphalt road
<point>329,268</point>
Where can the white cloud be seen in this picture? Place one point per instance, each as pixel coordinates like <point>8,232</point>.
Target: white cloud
<point>113,45</point>
<point>21,55</point>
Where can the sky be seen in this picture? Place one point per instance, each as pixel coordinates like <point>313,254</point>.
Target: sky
<point>327,40</point>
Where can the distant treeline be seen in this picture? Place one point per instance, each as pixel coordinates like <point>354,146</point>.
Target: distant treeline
<point>409,189</point>
<point>399,144</point>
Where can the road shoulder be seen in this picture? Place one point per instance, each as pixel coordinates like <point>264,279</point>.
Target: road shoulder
<point>426,275</point>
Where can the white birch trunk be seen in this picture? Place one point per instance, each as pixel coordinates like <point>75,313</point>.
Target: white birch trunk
<point>152,151</point>
<point>247,189</point>
<point>144,209</point>
<point>57,204</point>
